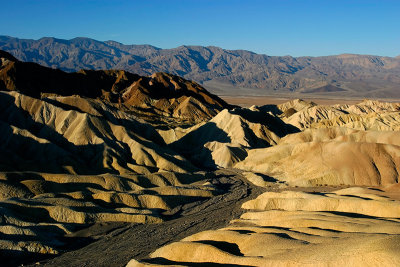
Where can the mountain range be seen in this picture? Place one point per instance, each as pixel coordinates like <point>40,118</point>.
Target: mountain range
<point>226,72</point>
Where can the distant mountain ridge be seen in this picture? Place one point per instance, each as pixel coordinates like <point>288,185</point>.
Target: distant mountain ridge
<point>347,75</point>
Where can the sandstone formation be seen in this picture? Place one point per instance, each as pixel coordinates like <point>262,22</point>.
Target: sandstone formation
<point>353,226</point>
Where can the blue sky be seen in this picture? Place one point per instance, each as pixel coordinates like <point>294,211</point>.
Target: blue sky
<point>280,27</point>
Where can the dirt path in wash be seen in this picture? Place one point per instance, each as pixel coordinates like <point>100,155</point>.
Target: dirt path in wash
<point>120,245</point>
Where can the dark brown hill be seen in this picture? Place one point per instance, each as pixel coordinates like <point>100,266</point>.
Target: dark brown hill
<point>161,94</point>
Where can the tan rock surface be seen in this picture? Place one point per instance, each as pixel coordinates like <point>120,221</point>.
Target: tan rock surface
<point>348,226</point>
<point>341,144</point>
<point>331,163</point>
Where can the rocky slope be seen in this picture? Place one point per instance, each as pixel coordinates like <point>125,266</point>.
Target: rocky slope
<point>342,75</point>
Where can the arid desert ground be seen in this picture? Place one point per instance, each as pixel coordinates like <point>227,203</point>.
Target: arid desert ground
<point>109,168</point>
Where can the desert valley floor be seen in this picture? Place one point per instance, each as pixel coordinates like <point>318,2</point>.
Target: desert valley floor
<point>109,168</point>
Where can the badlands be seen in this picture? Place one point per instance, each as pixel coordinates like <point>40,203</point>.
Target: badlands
<point>109,168</point>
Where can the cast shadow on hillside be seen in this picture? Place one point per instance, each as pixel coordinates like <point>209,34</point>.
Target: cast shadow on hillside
<point>275,124</point>
<point>209,132</point>
<point>270,108</point>
<point>191,146</point>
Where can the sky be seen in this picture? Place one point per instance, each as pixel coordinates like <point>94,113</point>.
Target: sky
<point>277,28</point>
